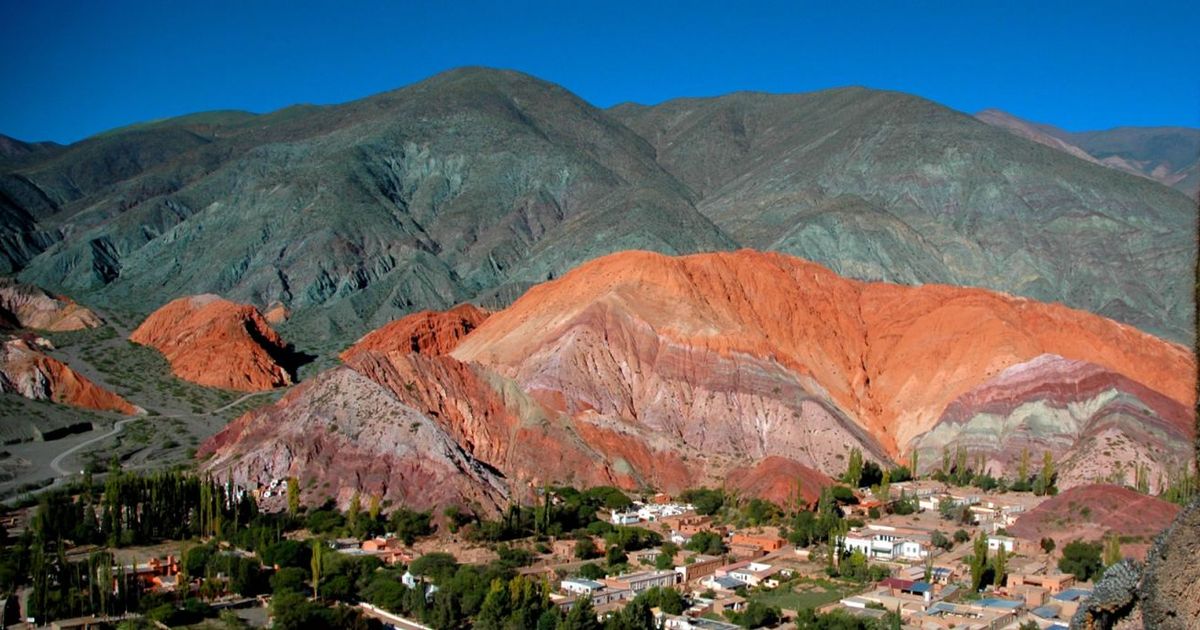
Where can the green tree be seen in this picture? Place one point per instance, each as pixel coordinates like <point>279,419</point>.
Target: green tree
<point>1081,559</point>
<point>1112,550</point>
<point>582,616</point>
<point>293,497</point>
<point>1048,544</point>
<point>999,566</point>
<point>854,468</point>
<point>317,551</point>
<point>353,511</point>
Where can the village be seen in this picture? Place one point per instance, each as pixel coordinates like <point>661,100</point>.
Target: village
<point>907,558</point>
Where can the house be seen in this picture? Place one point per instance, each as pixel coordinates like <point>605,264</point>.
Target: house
<point>699,567</point>
<point>644,556</point>
<point>898,587</point>
<point>726,583</point>
<point>766,542</point>
<point>691,525</point>
<point>563,548</point>
<point>624,518</point>
<point>580,586</point>
<point>1054,584</point>
<point>995,543</point>
<point>746,552</point>
<point>642,580</point>
<point>1069,600</point>
<point>753,573</point>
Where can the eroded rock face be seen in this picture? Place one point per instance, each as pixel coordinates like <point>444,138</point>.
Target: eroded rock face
<point>427,332</point>
<point>677,343</point>
<point>1105,423</point>
<point>218,343</point>
<point>27,371</point>
<point>26,306</point>
<point>780,480</point>
<point>1092,511</point>
<point>343,431</point>
<point>641,370</point>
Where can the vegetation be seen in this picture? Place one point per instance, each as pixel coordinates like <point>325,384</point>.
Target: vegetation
<point>1081,559</point>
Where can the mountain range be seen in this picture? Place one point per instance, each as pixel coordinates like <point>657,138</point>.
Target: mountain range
<point>476,184</point>
<point>647,371</point>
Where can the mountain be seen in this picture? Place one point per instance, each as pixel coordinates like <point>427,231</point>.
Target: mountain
<point>1169,155</point>
<point>1092,511</point>
<point>27,371</point>
<point>473,184</point>
<point>218,343</point>
<point>26,306</point>
<point>887,186</point>
<point>643,370</point>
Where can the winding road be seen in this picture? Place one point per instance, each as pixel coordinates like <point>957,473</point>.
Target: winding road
<point>56,463</point>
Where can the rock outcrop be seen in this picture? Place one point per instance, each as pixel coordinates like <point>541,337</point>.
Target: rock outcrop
<point>780,480</point>
<point>1110,424</point>
<point>26,306</point>
<point>426,332</point>
<point>1170,589</point>
<point>750,369</point>
<point>214,342</point>
<point>29,372</point>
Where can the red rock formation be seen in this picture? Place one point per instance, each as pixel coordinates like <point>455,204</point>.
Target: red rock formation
<point>780,480</point>
<point>1092,511</point>
<point>426,332</point>
<point>27,371</point>
<point>215,342</point>
<point>29,307</point>
<point>342,432</point>
<point>1098,422</point>
<point>891,357</point>
<point>754,369</point>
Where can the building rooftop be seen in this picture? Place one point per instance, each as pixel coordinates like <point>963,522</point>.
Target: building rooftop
<point>995,602</point>
<point>1072,595</point>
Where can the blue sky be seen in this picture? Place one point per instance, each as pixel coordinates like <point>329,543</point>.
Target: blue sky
<point>71,69</point>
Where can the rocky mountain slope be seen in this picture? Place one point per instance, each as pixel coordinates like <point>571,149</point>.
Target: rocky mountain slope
<point>1169,155</point>
<point>476,183</point>
<point>28,371</point>
<point>639,370</point>
<point>26,306</point>
<point>1092,511</point>
<point>472,184</point>
<point>214,342</point>
<point>887,186</point>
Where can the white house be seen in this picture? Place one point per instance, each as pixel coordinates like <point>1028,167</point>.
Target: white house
<point>996,542</point>
<point>580,586</point>
<point>624,518</point>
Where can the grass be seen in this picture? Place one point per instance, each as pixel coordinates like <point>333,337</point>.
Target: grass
<point>805,593</point>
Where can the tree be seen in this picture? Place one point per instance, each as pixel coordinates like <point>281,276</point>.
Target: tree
<point>1045,481</point>
<point>885,486</point>
<point>582,616</point>
<point>591,571</point>
<point>978,561</point>
<point>706,542</point>
<point>1048,544</point>
<point>912,464</point>
<point>939,540</point>
<point>352,512</point>
<point>999,566</point>
<point>585,549</point>
<point>706,501</point>
<point>1112,550</point>
<point>854,468</point>
<point>1081,559</point>
<point>293,496</point>
<point>961,536</point>
<point>317,547</point>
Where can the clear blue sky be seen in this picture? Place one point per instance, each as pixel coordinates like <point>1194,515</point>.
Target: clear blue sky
<point>71,69</point>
